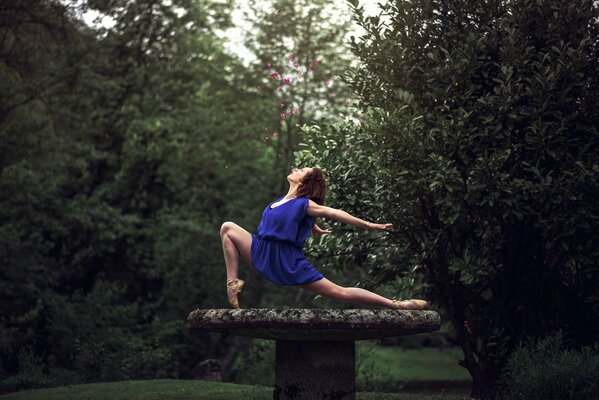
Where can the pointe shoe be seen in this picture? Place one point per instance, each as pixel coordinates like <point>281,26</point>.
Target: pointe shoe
<point>412,304</point>
<point>234,287</point>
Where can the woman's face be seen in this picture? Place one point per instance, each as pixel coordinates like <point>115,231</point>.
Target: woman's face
<point>296,174</point>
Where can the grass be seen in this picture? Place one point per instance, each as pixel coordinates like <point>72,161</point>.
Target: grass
<point>414,364</point>
<point>181,390</point>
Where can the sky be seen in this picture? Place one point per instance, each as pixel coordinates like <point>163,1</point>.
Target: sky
<point>234,36</point>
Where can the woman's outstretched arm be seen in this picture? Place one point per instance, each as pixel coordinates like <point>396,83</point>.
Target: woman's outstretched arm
<point>316,210</point>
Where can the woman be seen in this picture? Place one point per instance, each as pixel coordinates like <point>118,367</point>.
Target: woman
<point>275,251</point>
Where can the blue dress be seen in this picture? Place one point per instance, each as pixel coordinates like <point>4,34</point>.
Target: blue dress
<point>277,247</point>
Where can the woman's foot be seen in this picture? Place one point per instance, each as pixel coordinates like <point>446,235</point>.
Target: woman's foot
<point>412,304</point>
<point>234,287</point>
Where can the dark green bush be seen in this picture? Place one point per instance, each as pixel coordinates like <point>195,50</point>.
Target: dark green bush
<point>23,382</point>
<point>547,370</point>
<point>257,366</point>
<point>30,375</point>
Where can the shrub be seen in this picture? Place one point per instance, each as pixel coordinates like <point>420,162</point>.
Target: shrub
<point>31,373</point>
<point>547,370</point>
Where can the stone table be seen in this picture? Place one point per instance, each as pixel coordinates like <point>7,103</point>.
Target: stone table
<point>315,352</point>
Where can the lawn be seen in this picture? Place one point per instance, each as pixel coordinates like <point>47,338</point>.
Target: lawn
<point>181,390</point>
<point>426,363</point>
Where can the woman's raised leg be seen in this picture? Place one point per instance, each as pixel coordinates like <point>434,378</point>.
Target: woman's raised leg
<point>235,241</point>
<point>326,288</point>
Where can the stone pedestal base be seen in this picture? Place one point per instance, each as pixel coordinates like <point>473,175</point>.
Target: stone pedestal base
<point>311,370</point>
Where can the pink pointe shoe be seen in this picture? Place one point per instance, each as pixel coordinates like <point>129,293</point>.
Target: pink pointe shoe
<point>412,304</point>
<point>234,287</point>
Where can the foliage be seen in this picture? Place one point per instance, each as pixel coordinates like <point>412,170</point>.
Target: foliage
<point>31,373</point>
<point>480,145</point>
<point>116,171</point>
<point>302,41</point>
<point>257,365</point>
<point>547,369</point>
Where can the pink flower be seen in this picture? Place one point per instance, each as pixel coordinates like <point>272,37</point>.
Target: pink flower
<point>275,134</point>
<point>275,75</point>
<point>309,70</point>
<point>287,80</point>
<point>268,65</point>
<point>291,57</point>
<point>283,116</point>
<point>295,65</point>
<point>327,83</point>
<point>334,95</point>
<point>282,105</point>
<point>295,111</point>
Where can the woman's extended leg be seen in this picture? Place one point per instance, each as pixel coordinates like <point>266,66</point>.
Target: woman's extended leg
<point>326,288</point>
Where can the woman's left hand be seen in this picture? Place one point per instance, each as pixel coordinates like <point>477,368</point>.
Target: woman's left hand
<point>316,229</point>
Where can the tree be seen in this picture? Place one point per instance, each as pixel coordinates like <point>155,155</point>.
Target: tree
<point>299,57</point>
<point>117,147</point>
<point>480,146</point>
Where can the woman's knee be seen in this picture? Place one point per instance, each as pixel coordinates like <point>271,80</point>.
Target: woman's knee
<point>342,293</point>
<point>226,227</point>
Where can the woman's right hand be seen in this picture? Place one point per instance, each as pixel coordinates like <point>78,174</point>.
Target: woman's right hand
<point>378,227</point>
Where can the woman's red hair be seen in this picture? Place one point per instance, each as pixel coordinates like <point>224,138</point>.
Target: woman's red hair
<point>314,186</point>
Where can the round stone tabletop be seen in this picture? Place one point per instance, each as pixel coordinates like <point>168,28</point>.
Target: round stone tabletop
<point>315,324</point>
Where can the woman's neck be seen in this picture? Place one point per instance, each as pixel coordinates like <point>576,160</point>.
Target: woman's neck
<point>292,193</point>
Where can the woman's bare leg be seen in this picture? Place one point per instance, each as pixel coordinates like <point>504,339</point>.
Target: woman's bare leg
<point>236,241</point>
<point>326,288</point>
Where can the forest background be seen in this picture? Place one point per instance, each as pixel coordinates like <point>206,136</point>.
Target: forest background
<point>124,147</point>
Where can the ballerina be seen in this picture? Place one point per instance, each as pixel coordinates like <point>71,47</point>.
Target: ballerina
<point>275,251</point>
